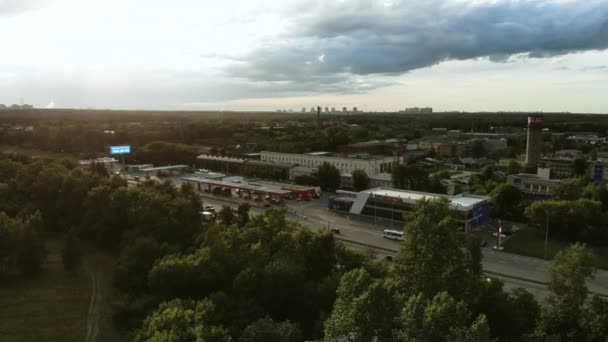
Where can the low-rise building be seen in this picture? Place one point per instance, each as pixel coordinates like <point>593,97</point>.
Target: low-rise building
<point>388,203</point>
<point>346,164</point>
<point>535,186</point>
<point>245,167</point>
<point>561,168</point>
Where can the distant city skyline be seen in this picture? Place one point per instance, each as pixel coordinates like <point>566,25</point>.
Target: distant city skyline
<point>451,55</point>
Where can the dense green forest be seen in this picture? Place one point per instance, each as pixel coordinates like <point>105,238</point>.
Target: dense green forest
<point>267,278</point>
<point>89,133</point>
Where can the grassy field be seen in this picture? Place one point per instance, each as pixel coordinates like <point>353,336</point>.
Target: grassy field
<point>50,307</point>
<point>531,242</point>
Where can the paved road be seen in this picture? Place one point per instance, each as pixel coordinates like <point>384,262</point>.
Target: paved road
<point>515,270</point>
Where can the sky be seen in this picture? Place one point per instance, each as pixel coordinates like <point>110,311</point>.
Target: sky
<point>384,55</point>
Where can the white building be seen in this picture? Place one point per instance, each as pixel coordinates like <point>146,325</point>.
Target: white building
<point>308,163</point>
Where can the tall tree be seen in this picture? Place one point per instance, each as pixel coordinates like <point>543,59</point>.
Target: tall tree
<point>594,319</point>
<point>433,257</point>
<point>567,293</point>
<point>329,177</point>
<point>360,180</point>
<point>266,330</point>
<point>226,215</point>
<point>441,318</point>
<point>31,251</point>
<point>364,310</point>
<point>507,201</point>
<point>243,214</point>
<point>183,321</point>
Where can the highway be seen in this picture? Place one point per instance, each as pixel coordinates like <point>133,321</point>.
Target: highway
<point>514,270</point>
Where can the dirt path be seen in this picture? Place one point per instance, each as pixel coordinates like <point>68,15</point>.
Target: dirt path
<point>94,312</point>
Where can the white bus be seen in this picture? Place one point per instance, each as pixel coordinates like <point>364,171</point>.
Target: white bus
<point>393,235</point>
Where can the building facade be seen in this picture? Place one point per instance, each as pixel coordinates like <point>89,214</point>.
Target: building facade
<point>560,168</point>
<point>535,186</point>
<point>473,210</point>
<point>372,165</point>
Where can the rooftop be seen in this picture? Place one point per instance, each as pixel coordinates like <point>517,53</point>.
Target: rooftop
<point>164,168</point>
<point>461,201</point>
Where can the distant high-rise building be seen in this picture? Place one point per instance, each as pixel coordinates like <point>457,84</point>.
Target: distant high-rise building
<point>333,109</point>
<point>534,142</point>
<point>326,109</point>
<point>354,109</point>
<point>344,110</point>
<point>303,109</point>
<point>313,110</point>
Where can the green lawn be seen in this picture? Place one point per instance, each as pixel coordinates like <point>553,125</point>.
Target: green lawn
<point>50,307</point>
<point>531,242</point>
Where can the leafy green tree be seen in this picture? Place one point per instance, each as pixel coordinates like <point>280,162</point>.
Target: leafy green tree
<point>580,220</point>
<point>364,310</point>
<point>567,293</point>
<point>329,177</point>
<point>511,316</point>
<point>597,192</point>
<point>580,167</point>
<point>360,180</point>
<point>474,249</point>
<point>226,215</point>
<point>243,214</point>
<point>71,254</point>
<point>31,250</point>
<point>571,189</point>
<point>594,319</point>
<point>513,167</point>
<point>306,180</point>
<point>183,321</point>
<point>435,185</point>
<point>266,330</point>
<point>410,177</point>
<point>440,319</point>
<point>433,258</point>
<point>9,243</point>
<point>507,201</point>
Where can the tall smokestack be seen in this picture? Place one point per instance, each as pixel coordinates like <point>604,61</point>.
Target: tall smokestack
<point>534,142</point>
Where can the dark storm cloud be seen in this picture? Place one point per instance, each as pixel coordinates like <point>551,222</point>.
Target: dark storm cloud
<point>12,7</point>
<point>328,44</point>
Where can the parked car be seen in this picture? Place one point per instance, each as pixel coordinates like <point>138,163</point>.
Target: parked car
<point>335,230</point>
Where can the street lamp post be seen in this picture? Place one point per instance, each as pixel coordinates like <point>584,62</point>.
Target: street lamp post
<point>546,232</point>
<point>375,204</point>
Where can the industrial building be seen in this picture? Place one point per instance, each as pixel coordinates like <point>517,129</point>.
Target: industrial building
<point>346,164</point>
<point>388,203</point>
<point>245,167</point>
<point>253,189</point>
<point>535,186</point>
<point>534,138</point>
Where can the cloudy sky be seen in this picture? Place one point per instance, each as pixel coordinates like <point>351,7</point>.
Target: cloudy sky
<point>469,55</point>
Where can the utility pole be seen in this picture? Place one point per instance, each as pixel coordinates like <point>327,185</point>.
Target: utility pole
<point>546,232</point>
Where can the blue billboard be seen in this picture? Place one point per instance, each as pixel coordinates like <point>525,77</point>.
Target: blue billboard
<point>120,149</point>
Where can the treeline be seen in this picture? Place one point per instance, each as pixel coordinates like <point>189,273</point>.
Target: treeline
<point>578,211</point>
